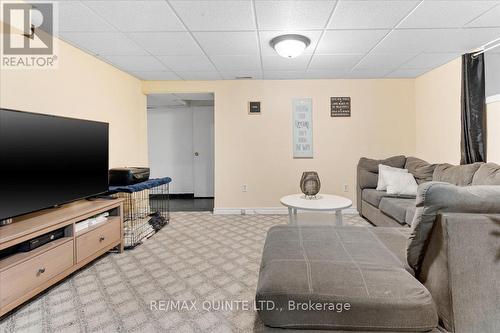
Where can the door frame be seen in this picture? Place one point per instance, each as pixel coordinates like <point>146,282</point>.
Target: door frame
<point>214,94</point>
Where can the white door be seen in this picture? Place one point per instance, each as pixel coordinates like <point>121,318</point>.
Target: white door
<point>203,152</point>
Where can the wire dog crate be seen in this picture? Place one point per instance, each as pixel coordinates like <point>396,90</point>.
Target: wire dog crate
<point>146,209</point>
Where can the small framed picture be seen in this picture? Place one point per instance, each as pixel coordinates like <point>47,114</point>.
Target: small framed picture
<point>254,108</point>
<point>340,106</point>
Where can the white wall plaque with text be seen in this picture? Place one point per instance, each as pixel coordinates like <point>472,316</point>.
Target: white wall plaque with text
<point>302,128</point>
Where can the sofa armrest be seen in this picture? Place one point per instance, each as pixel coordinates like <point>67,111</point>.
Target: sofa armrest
<point>434,198</point>
<point>445,197</point>
<point>364,179</point>
<point>461,269</point>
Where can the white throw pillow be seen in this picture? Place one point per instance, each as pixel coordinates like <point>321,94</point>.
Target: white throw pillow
<point>399,183</point>
<point>383,170</point>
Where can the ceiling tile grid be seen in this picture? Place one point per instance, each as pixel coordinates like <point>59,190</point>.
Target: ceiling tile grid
<point>228,39</point>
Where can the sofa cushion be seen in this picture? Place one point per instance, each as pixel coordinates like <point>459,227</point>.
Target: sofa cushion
<point>434,198</point>
<point>487,174</point>
<point>373,197</point>
<point>368,169</point>
<point>372,165</point>
<point>395,240</point>
<point>460,175</point>
<point>341,267</point>
<point>384,172</point>
<point>420,169</point>
<point>396,207</point>
<point>402,184</point>
<point>376,217</point>
<point>410,213</point>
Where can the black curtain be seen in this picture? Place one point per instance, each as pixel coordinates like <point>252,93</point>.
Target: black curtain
<point>473,143</point>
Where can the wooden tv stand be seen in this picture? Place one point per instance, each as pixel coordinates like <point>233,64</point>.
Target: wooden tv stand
<point>25,274</point>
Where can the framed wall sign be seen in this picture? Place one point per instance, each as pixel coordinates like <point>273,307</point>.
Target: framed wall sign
<point>340,106</point>
<point>302,128</point>
<point>254,107</point>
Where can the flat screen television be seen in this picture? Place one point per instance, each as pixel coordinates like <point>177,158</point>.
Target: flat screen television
<point>47,161</point>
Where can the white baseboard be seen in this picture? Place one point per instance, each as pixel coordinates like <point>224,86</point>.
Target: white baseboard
<point>268,210</point>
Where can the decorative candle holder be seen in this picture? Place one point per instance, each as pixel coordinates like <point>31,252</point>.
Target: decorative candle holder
<point>310,184</point>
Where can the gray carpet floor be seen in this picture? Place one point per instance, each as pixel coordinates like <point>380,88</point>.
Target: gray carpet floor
<point>199,257</point>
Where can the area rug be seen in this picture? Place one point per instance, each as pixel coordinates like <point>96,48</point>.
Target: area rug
<point>198,274</point>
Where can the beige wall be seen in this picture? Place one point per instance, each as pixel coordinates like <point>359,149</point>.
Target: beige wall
<point>84,87</point>
<point>437,110</point>
<point>257,149</point>
<point>494,132</point>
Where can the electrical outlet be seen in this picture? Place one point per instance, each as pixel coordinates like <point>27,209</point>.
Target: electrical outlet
<point>346,188</point>
<point>244,188</point>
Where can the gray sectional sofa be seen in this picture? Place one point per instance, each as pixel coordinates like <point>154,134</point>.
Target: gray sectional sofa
<point>381,209</point>
<point>439,275</point>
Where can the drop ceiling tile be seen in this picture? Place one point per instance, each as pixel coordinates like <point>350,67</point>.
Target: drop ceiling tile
<point>489,19</point>
<point>138,15</point>
<point>389,60</point>
<point>334,62</point>
<point>284,75</point>
<point>429,60</point>
<point>370,14</point>
<point>446,14</point>
<point>74,16</point>
<point>411,41</point>
<point>103,43</point>
<point>136,63</point>
<point>326,74</point>
<point>236,62</point>
<point>349,41</point>
<point>406,73</point>
<point>156,75</point>
<point>295,14</point>
<point>215,15</point>
<point>166,43</point>
<point>241,74</point>
<point>278,63</point>
<point>228,42</point>
<point>187,63</point>
<point>374,73</point>
<point>436,40</point>
<point>266,36</point>
<point>194,76</point>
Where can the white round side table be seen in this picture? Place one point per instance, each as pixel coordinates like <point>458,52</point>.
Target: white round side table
<point>322,202</point>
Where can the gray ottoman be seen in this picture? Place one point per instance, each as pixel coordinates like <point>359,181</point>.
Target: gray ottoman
<point>341,278</point>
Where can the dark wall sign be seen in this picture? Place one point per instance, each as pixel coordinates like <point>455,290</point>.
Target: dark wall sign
<point>340,106</point>
<point>254,107</point>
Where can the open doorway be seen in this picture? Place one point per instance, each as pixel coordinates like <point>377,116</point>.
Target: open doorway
<point>181,146</point>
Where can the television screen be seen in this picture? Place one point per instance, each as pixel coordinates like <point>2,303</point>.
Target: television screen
<point>47,161</point>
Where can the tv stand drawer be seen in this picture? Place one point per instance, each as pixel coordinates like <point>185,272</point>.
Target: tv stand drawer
<point>20,279</point>
<point>97,239</point>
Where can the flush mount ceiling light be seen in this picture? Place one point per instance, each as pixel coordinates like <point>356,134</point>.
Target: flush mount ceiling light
<point>290,46</point>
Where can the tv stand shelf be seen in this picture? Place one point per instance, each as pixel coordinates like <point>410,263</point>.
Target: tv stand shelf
<point>21,257</point>
<point>25,274</point>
